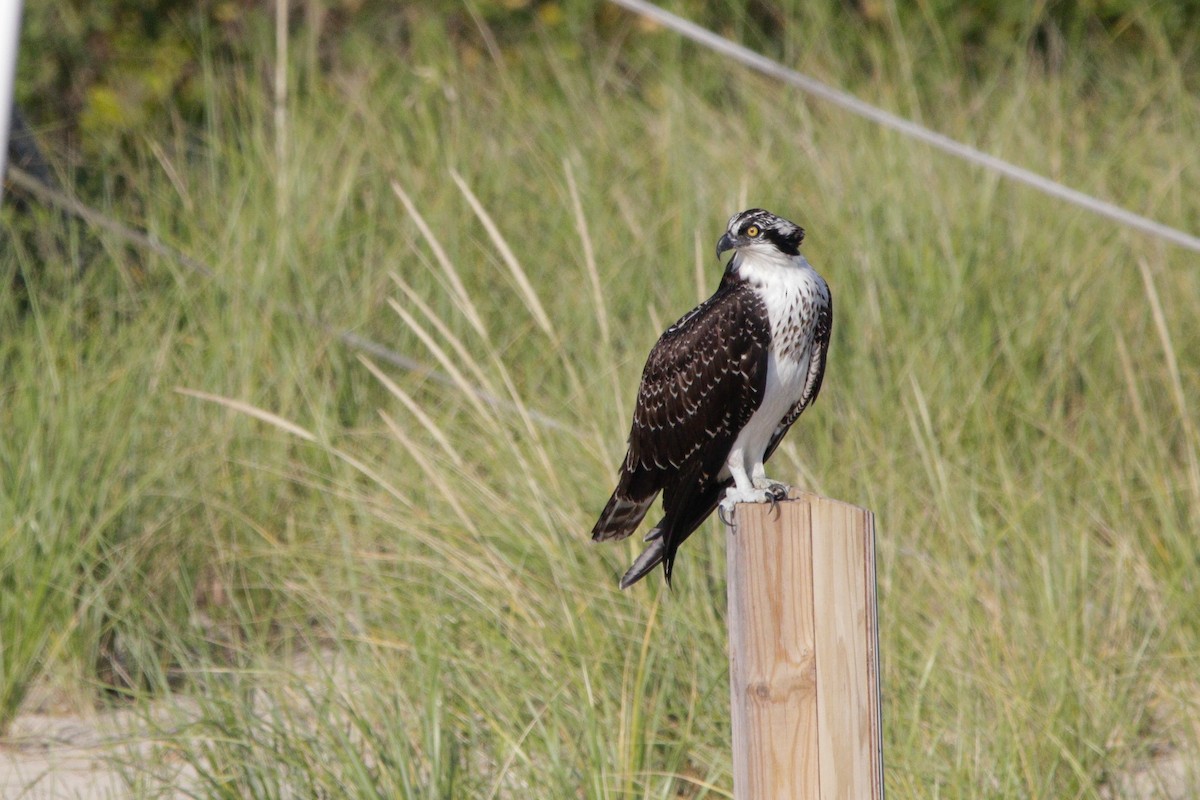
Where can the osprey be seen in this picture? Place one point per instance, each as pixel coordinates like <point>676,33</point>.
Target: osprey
<point>720,389</point>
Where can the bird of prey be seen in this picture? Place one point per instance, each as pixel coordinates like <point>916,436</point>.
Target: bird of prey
<point>720,389</point>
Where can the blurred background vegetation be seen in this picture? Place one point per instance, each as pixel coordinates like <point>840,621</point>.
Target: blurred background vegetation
<point>94,74</point>
<point>407,604</point>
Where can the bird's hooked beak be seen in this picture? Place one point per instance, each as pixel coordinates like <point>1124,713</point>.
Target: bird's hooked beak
<point>724,243</point>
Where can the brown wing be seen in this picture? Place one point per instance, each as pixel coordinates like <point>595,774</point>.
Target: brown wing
<point>701,383</point>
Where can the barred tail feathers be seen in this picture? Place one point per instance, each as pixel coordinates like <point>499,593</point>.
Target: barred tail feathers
<point>670,532</point>
<point>621,516</point>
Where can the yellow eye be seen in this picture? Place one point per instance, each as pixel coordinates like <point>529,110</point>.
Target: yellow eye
<point>752,231</point>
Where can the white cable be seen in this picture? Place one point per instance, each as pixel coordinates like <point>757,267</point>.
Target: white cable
<point>851,103</point>
<point>10,30</point>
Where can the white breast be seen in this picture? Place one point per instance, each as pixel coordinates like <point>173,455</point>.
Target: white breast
<point>791,291</point>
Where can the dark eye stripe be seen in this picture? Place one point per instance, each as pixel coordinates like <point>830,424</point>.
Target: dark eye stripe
<point>786,244</point>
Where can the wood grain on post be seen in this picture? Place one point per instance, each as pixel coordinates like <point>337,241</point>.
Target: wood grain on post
<point>803,651</point>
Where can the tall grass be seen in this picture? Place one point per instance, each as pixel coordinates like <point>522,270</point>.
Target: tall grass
<point>375,582</point>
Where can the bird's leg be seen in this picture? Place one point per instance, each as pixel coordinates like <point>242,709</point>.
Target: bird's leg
<point>775,491</point>
<point>744,489</point>
<point>758,477</point>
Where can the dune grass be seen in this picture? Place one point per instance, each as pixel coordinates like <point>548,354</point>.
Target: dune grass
<point>379,583</point>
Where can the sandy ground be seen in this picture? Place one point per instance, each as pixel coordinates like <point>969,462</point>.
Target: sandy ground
<point>1168,777</point>
<point>55,755</point>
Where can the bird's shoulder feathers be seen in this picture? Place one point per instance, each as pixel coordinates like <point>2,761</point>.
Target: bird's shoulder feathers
<point>702,380</point>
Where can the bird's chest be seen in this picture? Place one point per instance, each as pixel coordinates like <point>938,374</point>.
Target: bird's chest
<point>784,386</point>
<point>790,307</point>
<point>790,311</point>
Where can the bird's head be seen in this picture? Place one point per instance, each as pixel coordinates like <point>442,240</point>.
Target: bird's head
<point>761,232</point>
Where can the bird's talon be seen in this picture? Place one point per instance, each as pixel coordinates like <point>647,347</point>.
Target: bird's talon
<point>774,499</point>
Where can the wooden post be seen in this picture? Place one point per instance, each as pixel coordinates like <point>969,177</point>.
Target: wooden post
<point>804,651</point>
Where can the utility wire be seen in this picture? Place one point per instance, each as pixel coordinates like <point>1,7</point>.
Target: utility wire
<point>718,44</point>
<point>849,102</point>
<point>64,202</point>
